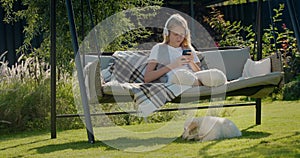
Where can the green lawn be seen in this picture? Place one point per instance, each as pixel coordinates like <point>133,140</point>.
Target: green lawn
<point>278,136</point>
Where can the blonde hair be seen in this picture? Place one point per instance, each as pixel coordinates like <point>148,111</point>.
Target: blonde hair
<point>178,20</point>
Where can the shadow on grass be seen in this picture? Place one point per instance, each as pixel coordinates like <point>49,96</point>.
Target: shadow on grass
<point>23,144</point>
<point>122,143</point>
<point>265,147</point>
<point>15,136</point>
<point>245,135</point>
<point>79,145</point>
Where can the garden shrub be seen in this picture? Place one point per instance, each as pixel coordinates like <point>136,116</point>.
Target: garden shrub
<point>291,90</point>
<point>275,39</point>
<point>129,119</point>
<point>24,93</point>
<point>25,96</point>
<point>65,104</point>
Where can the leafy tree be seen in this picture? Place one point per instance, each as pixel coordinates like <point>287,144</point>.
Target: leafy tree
<point>36,14</point>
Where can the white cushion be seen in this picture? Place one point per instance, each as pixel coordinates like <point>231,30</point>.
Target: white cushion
<point>256,68</point>
<point>211,77</point>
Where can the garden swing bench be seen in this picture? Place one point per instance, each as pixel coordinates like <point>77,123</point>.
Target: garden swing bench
<point>255,87</point>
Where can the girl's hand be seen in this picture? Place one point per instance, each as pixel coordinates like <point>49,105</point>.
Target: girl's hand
<point>182,60</point>
<point>190,57</point>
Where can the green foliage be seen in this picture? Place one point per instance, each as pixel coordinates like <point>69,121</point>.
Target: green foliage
<point>232,2</point>
<point>24,93</point>
<point>286,45</point>
<point>25,96</point>
<point>230,34</point>
<point>37,19</point>
<point>65,104</point>
<point>234,34</point>
<point>291,90</point>
<point>25,90</point>
<point>274,39</point>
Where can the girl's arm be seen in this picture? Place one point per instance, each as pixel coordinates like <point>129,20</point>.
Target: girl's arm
<point>152,74</point>
<point>195,66</point>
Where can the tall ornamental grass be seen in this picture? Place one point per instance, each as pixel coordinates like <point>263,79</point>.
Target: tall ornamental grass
<point>25,96</point>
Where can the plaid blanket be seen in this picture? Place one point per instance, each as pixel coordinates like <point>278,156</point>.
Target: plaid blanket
<point>129,67</point>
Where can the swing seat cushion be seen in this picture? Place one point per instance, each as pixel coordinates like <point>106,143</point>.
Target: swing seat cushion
<point>232,65</point>
<point>259,82</point>
<point>241,84</point>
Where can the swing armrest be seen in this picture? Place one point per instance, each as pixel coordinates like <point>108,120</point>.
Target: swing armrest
<point>93,81</point>
<point>276,65</point>
<point>98,81</point>
<point>92,74</point>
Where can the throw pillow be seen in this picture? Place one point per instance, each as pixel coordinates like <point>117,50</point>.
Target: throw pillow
<point>256,68</point>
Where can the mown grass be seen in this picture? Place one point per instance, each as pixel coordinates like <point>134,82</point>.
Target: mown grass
<point>278,136</point>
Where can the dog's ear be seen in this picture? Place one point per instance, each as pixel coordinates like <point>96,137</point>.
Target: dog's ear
<point>192,126</point>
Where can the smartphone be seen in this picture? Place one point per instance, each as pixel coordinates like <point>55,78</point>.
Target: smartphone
<point>186,52</point>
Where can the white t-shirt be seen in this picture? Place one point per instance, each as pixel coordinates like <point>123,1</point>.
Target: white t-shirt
<point>173,54</point>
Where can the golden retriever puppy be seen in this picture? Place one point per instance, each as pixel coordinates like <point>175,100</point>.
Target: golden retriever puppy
<point>209,128</point>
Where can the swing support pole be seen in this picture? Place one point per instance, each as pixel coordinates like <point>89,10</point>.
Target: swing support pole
<point>53,66</point>
<point>85,104</point>
<point>259,54</point>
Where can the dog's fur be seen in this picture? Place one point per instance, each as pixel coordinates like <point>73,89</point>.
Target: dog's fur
<point>209,128</point>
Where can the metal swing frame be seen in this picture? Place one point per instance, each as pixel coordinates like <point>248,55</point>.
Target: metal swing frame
<point>87,114</point>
